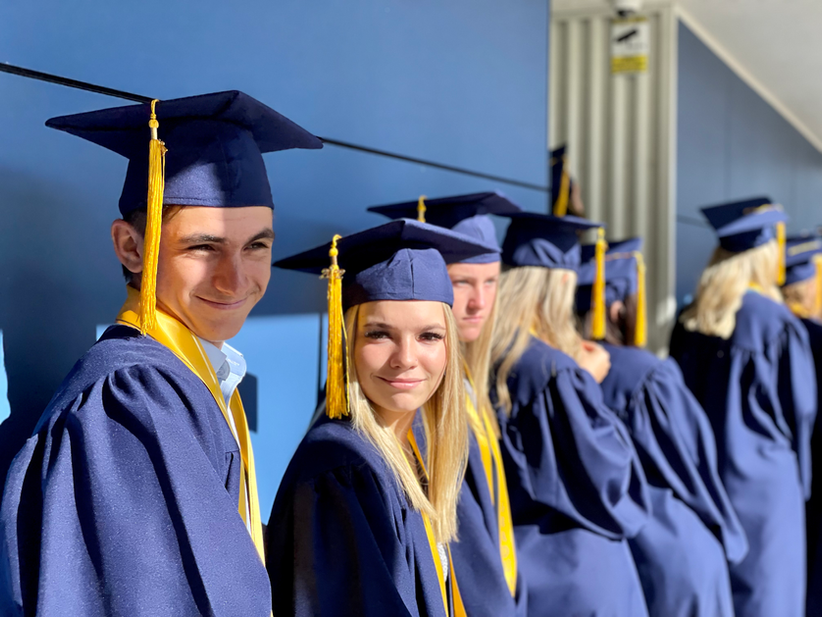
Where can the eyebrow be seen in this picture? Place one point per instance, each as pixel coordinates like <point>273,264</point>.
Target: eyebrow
<point>211,239</point>
<point>385,326</point>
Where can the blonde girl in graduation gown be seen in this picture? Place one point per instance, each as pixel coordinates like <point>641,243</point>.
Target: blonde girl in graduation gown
<point>747,360</point>
<point>576,485</point>
<point>362,520</point>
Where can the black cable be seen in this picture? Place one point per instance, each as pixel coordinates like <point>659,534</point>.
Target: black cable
<point>82,85</point>
<point>689,220</point>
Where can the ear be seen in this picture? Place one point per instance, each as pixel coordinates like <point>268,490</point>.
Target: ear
<point>614,310</point>
<point>128,245</point>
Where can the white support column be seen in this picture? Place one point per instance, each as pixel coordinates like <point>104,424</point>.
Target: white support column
<point>621,135</point>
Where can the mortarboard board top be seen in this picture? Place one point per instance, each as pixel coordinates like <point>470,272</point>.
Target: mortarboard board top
<point>801,255</point>
<point>544,240</point>
<point>466,214</point>
<point>400,260</point>
<point>746,224</point>
<point>214,141</point>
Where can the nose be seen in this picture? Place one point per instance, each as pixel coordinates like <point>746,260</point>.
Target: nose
<point>230,277</point>
<point>405,355</point>
<point>477,300</point>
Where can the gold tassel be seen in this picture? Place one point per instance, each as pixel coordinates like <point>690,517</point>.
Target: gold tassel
<point>818,304</point>
<point>561,205</point>
<point>154,221</point>
<point>421,208</point>
<point>780,243</point>
<point>641,326</point>
<point>336,387</point>
<point>598,291</point>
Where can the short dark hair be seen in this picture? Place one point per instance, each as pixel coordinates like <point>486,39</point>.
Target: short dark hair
<point>137,219</point>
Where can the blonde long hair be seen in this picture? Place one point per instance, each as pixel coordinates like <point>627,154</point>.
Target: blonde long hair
<point>532,298</point>
<point>477,355</point>
<point>725,281</point>
<point>801,297</point>
<point>446,434</point>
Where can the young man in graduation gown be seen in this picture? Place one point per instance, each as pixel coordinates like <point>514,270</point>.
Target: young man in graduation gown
<point>682,553</point>
<point>747,360</point>
<point>803,296</point>
<point>485,559</point>
<point>136,494</point>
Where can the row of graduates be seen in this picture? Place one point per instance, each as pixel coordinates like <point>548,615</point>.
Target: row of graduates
<point>622,499</point>
<point>478,456</point>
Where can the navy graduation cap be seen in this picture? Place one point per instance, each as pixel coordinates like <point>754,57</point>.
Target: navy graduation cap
<point>400,260</point>
<point>624,277</point>
<point>561,182</point>
<point>747,224</point>
<point>214,147</point>
<point>548,241</point>
<point>466,214</point>
<point>544,240</point>
<point>802,258</point>
<point>210,155</point>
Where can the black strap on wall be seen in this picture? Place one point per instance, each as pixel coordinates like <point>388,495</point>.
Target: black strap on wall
<point>129,96</point>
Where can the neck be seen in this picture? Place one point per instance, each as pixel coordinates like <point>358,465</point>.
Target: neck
<point>398,421</point>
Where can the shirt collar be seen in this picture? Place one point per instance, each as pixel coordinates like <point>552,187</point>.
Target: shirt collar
<point>218,359</point>
<point>229,365</point>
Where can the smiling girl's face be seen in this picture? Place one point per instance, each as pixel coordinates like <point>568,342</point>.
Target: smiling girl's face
<point>400,356</point>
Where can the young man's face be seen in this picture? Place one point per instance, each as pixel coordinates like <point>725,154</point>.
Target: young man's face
<point>214,267</point>
<point>475,288</point>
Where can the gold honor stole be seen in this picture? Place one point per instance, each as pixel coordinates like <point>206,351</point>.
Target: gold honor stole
<point>498,487</point>
<point>459,608</point>
<point>183,343</point>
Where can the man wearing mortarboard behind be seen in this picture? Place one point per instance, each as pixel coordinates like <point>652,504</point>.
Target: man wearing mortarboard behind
<point>136,494</point>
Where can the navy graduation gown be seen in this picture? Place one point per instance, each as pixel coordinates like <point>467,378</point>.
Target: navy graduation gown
<point>343,539</point>
<point>681,552</point>
<point>577,490</point>
<point>476,553</point>
<point>124,501</point>
<point>758,389</point>
<point>814,506</point>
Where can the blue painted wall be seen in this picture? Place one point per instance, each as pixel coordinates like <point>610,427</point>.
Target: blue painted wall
<point>462,82</point>
<point>730,145</point>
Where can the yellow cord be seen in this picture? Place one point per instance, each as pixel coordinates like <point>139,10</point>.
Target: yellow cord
<point>421,208</point>
<point>154,221</point>
<point>598,290</point>
<point>336,388</point>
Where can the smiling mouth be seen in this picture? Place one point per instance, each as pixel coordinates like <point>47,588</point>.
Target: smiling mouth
<point>224,306</point>
<point>402,384</point>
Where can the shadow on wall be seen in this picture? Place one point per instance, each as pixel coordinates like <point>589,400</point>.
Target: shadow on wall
<point>49,304</point>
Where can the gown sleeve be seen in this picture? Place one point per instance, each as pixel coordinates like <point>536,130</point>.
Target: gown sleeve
<point>797,393</point>
<point>574,455</point>
<point>677,444</point>
<point>336,548</point>
<point>116,506</point>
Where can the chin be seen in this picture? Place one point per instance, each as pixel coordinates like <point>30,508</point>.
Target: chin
<point>469,334</point>
<point>220,332</point>
<point>404,403</point>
